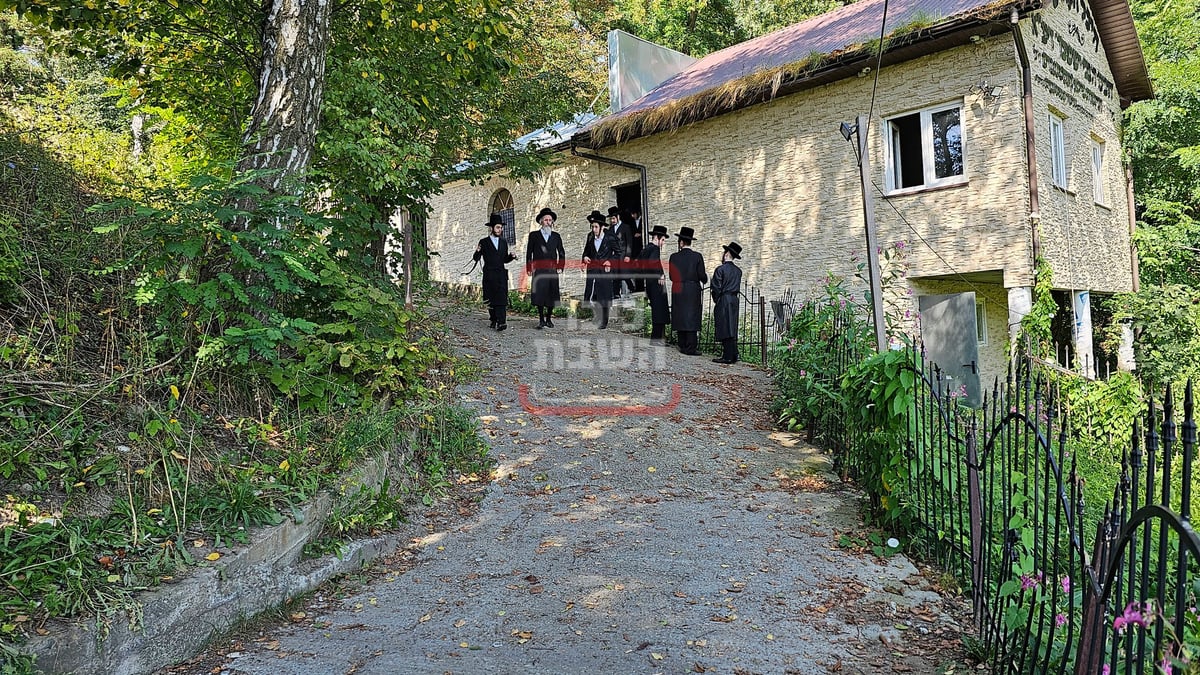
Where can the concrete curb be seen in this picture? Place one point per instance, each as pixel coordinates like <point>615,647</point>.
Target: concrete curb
<point>175,621</point>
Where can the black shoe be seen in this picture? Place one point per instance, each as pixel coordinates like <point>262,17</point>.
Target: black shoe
<point>723,361</point>
<point>501,326</point>
<point>603,325</point>
<point>492,325</point>
<point>541,325</point>
<point>549,323</point>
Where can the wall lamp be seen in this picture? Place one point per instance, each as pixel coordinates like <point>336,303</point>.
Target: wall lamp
<point>988,92</point>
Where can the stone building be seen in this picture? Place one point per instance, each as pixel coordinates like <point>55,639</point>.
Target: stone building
<point>992,139</point>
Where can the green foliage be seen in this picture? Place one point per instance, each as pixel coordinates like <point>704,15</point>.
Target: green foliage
<point>286,307</point>
<point>1166,320</point>
<point>824,335</point>
<point>879,393</point>
<point>449,449</point>
<point>1036,325</point>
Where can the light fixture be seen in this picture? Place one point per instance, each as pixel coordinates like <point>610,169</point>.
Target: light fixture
<point>864,72</point>
<point>988,92</point>
<point>976,39</point>
<point>848,129</point>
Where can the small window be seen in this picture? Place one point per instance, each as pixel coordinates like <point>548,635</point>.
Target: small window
<point>981,331</point>
<point>925,148</point>
<point>1098,171</point>
<point>1058,153</point>
<point>502,204</point>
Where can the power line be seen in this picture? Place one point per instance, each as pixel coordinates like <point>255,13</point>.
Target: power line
<point>875,83</point>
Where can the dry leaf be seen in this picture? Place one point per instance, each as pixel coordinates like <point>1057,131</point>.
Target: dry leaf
<point>213,556</point>
<point>425,618</point>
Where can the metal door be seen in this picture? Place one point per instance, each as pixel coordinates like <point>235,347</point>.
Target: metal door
<point>949,332</point>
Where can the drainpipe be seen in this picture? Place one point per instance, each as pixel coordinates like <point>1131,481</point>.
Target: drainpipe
<point>641,168</point>
<point>1133,258</point>
<point>1030,156</point>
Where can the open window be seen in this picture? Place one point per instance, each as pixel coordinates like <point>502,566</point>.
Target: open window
<point>925,148</point>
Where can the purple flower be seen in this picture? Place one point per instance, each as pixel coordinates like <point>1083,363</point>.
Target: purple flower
<point>1132,616</point>
<point>1165,666</point>
<point>899,246</point>
<point>1060,619</point>
<point>1107,670</point>
<point>1066,581</point>
<point>803,373</point>
<point>1028,581</point>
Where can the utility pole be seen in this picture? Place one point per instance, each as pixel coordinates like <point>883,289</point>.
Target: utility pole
<point>864,172</point>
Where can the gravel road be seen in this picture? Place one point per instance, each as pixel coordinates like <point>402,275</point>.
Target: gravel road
<point>645,517</point>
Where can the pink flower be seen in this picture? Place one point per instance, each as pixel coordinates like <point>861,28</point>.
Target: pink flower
<point>1029,581</point>
<point>1131,617</point>
<point>1066,581</point>
<point>803,373</point>
<point>1107,670</point>
<point>1060,619</point>
<point>1165,666</point>
<point>899,246</point>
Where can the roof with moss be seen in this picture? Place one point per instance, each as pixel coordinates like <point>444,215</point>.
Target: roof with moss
<point>841,43</point>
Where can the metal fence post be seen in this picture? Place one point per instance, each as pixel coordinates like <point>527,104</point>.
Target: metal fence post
<point>975,507</point>
<point>762,327</point>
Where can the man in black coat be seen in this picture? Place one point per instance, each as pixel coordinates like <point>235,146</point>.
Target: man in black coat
<point>651,275</point>
<point>725,287</point>
<point>493,250</point>
<point>601,253</point>
<point>545,259</point>
<point>687,277</point>
<point>621,231</point>
<point>635,223</point>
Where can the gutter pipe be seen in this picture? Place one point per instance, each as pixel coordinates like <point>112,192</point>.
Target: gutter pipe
<point>1030,155</point>
<point>640,168</point>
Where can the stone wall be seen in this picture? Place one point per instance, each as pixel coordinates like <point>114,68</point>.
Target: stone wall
<point>1086,243</point>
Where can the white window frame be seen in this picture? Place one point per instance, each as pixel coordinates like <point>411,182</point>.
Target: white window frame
<point>928,166</point>
<point>1098,171</point>
<point>1058,151</point>
<point>981,325</point>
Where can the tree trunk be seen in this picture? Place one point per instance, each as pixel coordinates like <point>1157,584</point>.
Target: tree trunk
<point>283,122</point>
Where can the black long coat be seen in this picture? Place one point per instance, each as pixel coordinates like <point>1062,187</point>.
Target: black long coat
<point>544,259</point>
<point>725,286</point>
<point>687,277</point>
<point>495,276</point>
<point>650,270</point>
<point>599,286</point>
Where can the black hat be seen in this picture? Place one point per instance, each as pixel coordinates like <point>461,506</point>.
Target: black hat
<point>686,234</point>
<point>597,217</point>
<point>495,219</point>
<point>614,211</point>
<point>735,249</point>
<point>545,212</point>
<point>659,231</point>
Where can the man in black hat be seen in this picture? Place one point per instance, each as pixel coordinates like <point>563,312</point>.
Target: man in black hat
<point>601,252</point>
<point>620,230</point>
<point>725,287</point>
<point>545,259</point>
<point>493,249</point>
<point>635,224</point>
<point>651,275</point>
<point>687,277</point>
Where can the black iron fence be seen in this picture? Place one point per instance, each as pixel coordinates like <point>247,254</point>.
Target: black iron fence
<point>997,497</point>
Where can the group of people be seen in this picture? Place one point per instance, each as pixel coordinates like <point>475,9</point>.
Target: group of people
<point>616,263</point>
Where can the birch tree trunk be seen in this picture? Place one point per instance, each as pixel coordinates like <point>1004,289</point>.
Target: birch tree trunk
<point>282,131</point>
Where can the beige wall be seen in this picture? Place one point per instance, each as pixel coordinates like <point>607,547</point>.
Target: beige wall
<point>780,179</point>
<point>1086,244</point>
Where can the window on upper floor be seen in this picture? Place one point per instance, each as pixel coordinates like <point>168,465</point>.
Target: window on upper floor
<point>502,204</point>
<point>1058,152</point>
<point>925,148</point>
<point>1098,171</point>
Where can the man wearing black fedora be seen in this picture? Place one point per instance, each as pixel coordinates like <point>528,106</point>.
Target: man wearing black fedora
<point>650,273</point>
<point>601,252</point>
<point>725,287</point>
<point>622,234</point>
<point>545,259</point>
<point>686,268</point>
<point>493,250</point>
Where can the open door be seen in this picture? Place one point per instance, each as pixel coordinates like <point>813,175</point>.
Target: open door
<point>949,332</point>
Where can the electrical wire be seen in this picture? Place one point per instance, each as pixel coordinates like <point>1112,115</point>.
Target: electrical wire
<point>875,83</point>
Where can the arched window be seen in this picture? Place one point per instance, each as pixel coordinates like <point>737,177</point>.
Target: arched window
<point>502,203</point>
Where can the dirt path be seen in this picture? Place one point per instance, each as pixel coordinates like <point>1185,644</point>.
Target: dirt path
<point>695,538</point>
